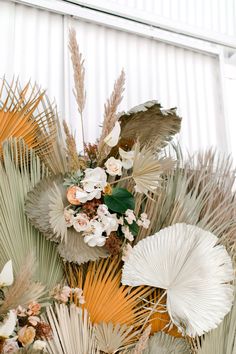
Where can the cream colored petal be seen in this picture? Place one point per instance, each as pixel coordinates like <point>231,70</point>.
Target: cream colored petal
<point>6,275</point>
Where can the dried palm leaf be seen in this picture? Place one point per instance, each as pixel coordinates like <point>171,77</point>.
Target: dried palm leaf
<point>72,331</point>
<point>147,169</point>
<point>107,300</point>
<point>48,217</point>
<point>25,114</point>
<point>222,339</point>
<point>112,338</point>
<point>162,343</point>
<point>143,342</point>
<point>148,123</point>
<point>18,239</point>
<point>185,261</point>
<point>24,290</point>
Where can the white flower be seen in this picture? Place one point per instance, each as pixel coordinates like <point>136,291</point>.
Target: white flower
<point>130,217</point>
<point>110,223</point>
<point>113,137</point>
<point>143,221</point>
<point>81,195</point>
<point>102,210</point>
<point>114,166</point>
<point>126,252</point>
<point>94,234</point>
<point>39,345</point>
<point>10,346</point>
<point>95,178</point>
<point>69,217</point>
<point>6,275</point>
<point>81,222</point>
<point>127,158</point>
<point>8,326</point>
<point>128,235</point>
<point>194,270</point>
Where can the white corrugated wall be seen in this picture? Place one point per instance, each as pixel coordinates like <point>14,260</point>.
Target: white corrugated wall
<point>34,45</point>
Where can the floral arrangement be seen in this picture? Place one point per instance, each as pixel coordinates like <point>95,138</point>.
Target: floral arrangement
<point>123,247</point>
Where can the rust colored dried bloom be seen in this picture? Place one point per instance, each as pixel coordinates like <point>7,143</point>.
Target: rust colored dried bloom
<point>43,331</point>
<point>90,207</point>
<point>91,151</point>
<point>113,244</point>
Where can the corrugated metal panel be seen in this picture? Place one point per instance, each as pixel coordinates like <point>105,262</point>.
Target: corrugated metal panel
<point>217,16</point>
<point>34,45</point>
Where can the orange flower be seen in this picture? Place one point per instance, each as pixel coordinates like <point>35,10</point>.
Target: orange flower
<point>71,195</point>
<point>26,335</point>
<point>34,308</point>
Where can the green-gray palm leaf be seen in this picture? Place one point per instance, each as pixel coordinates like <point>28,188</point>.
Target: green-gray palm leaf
<point>20,171</point>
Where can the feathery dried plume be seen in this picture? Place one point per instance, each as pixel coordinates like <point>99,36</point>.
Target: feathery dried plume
<point>73,158</point>
<point>143,341</point>
<point>79,73</point>
<point>24,290</point>
<point>110,113</point>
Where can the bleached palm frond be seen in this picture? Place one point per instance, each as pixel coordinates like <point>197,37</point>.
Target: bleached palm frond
<point>48,217</point>
<point>111,338</point>
<point>18,239</point>
<point>222,339</point>
<point>195,272</point>
<point>148,169</point>
<point>24,290</point>
<point>162,343</point>
<point>105,298</point>
<point>142,342</point>
<point>72,331</point>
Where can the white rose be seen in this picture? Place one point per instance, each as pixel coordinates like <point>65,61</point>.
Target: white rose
<point>39,345</point>
<point>81,222</point>
<point>110,223</point>
<point>10,346</point>
<point>127,158</point>
<point>95,178</point>
<point>114,166</point>
<point>113,137</point>
<point>69,217</point>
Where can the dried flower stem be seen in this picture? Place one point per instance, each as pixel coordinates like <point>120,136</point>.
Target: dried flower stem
<point>79,73</point>
<point>121,179</point>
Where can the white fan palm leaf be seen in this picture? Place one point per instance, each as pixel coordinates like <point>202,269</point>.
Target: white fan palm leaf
<point>185,260</point>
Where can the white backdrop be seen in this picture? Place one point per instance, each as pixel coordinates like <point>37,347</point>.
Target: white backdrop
<point>34,45</point>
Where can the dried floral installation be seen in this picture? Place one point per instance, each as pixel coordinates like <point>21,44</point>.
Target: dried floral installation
<point>124,247</point>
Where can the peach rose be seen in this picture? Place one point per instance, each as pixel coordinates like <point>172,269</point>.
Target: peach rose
<point>26,335</point>
<point>34,308</point>
<point>81,222</point>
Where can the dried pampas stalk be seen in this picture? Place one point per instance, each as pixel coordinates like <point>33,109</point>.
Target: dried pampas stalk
<point>24,290</point>
<point>73,161</point>
<point>110,111</point>
<point>79,73</point>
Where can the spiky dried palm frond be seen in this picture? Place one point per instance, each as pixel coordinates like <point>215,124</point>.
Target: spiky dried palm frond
<point>112,338</point>
<point>143,341</point>
<point>222,339</point>
<point>25,113</point>
<point>72,331</point>
<point>149,124</point>
<point>24,290</point>
<point>162,343</point>
<point>198,194</point>
<point>148,169</point>
<point>106,299</point>
<point>18,239</point>
<point>110,114</point>
<point>48,217</point>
